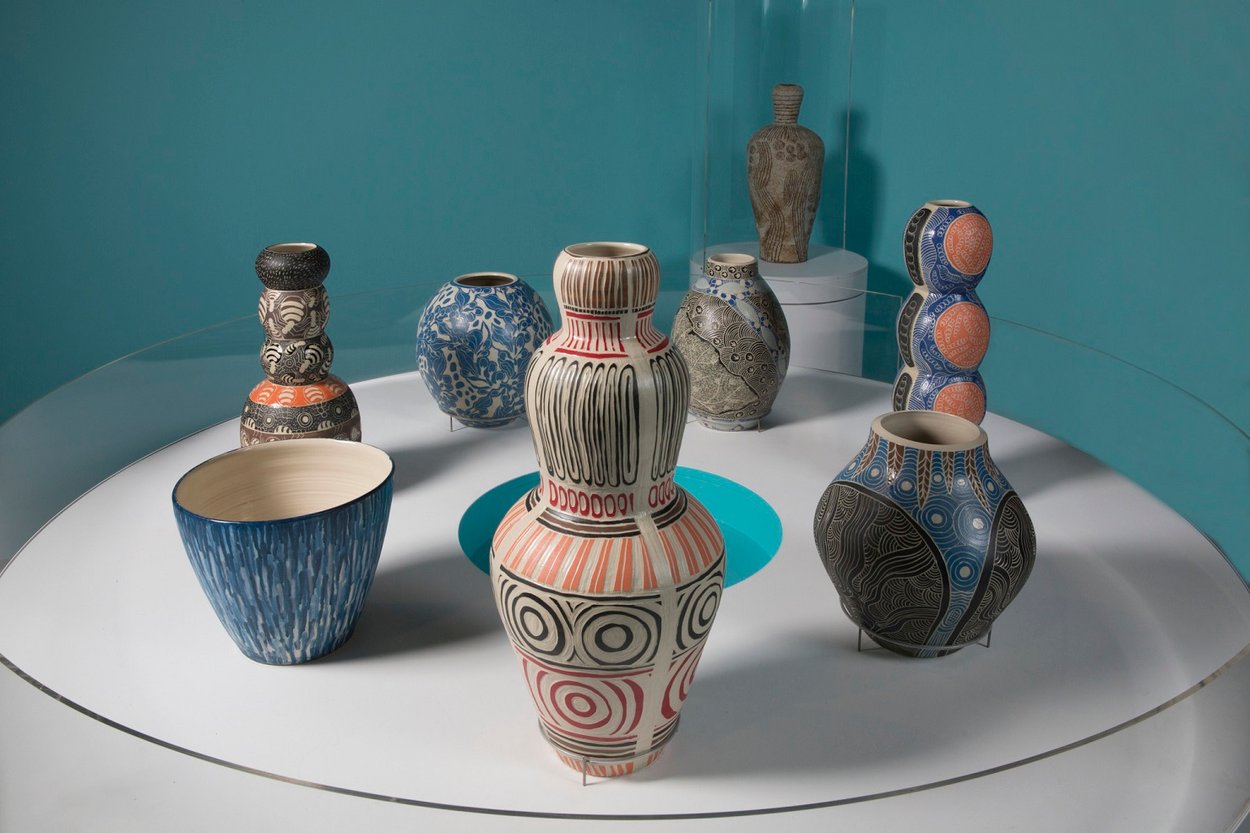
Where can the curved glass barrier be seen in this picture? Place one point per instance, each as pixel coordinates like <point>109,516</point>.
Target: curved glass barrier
<point>1198,466</point>
<point>144,401</point>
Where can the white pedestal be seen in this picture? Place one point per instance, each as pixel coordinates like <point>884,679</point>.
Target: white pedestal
<point>823,299</point>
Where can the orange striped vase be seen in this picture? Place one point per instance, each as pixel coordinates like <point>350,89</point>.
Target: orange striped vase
<point>607,574</point>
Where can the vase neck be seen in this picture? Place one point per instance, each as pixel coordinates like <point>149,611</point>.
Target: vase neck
<point>606,279</point>
<point>607,335</point>
<point>787,99</point>
<point>607,394</point>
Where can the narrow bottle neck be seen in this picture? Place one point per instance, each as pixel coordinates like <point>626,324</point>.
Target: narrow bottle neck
<point>786,103</point>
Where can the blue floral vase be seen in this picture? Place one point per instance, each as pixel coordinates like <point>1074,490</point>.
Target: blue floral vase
<point>923,537</point>
<point>474,341</point>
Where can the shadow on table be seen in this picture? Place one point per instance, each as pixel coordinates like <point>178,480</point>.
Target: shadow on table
<point>1038,468</point>
<point>417,463</point>
<point>816,706</point>
<point>814,394</point>
<point>422,605</point>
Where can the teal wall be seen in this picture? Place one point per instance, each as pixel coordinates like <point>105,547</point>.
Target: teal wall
<point>1109,145</point>
<point>148,150</point>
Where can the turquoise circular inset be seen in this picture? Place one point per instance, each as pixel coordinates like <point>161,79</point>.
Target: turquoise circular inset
<point>751,528</point>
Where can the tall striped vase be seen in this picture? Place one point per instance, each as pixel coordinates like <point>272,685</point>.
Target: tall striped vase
<point>943,330</point>
<point>607,574</point>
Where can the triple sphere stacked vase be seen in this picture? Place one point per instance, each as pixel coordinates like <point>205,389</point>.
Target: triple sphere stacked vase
<point>607,575</point>
<point>943,330</point>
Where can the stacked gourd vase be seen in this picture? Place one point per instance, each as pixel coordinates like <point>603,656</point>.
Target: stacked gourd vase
<point>299,397</point>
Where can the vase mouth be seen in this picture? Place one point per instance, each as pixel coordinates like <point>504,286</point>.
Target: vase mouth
<point>930,430</point>
<point>282,481</point>
<point>485,280</point>
<point>952,203</point>
<point>606,249</point>
<point>290,248</point>
<point>732,259</point>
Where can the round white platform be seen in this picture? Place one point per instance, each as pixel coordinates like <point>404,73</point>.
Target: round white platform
<point>1128,609</point>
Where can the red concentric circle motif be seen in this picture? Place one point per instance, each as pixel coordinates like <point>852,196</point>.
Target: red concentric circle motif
<point>969,243</point>
<point>962,399</point>
<point>962,334</point>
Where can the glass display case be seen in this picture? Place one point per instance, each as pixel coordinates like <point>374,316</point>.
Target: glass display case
<point>1114,695</point>
<point>1129,638</point>
<point>750,48</point>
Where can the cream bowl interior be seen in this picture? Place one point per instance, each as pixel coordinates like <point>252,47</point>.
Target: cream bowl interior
<point>278,480</point>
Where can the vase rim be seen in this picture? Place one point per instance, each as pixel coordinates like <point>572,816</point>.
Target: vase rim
<point>732,259</point>
<point>951,203</point>
<point>485,280</point>
<point>929,430</point>
<point>291,248</point>
<point>358,470</point>
<point>606,249</point>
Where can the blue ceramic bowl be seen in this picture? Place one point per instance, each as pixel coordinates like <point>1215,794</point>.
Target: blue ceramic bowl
<point>284,538</point>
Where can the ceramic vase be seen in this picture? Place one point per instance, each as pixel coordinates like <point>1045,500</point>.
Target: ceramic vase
<point>299,398</point>
<point>284,539</point>
<point>943,330</point>
<point>607,575</point>
<point>733,335</point>
<point>785,162</point>
<point>474,342</point>
<point>923,537</point>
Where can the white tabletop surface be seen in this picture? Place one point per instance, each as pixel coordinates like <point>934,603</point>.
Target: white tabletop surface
<point>1056,726</point>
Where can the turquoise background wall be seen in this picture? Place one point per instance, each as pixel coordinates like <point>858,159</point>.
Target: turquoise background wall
<point>1109,145</point>
<point>148,150</point>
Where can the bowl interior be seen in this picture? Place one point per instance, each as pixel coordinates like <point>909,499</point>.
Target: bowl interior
<point>280,480</point>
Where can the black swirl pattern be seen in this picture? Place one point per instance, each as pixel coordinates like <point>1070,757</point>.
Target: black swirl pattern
<point>294,315</point>
<point>602,633</point>
<point>732,372</point>
<point>1013,549</point>
<point>299,362</point>
<point>697,604</point>
<point>619,636</point>
<point>886,568</point>
<point>536,621</point>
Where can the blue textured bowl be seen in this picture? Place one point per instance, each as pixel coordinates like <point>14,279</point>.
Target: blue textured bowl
<point>284,538</point>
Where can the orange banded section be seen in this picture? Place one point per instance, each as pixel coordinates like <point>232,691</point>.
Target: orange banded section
<point>295,396</point>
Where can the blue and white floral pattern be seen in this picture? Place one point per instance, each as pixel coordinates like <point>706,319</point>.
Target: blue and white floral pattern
<point>474,342</point>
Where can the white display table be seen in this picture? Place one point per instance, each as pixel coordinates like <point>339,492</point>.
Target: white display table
<point>1113,696</point>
